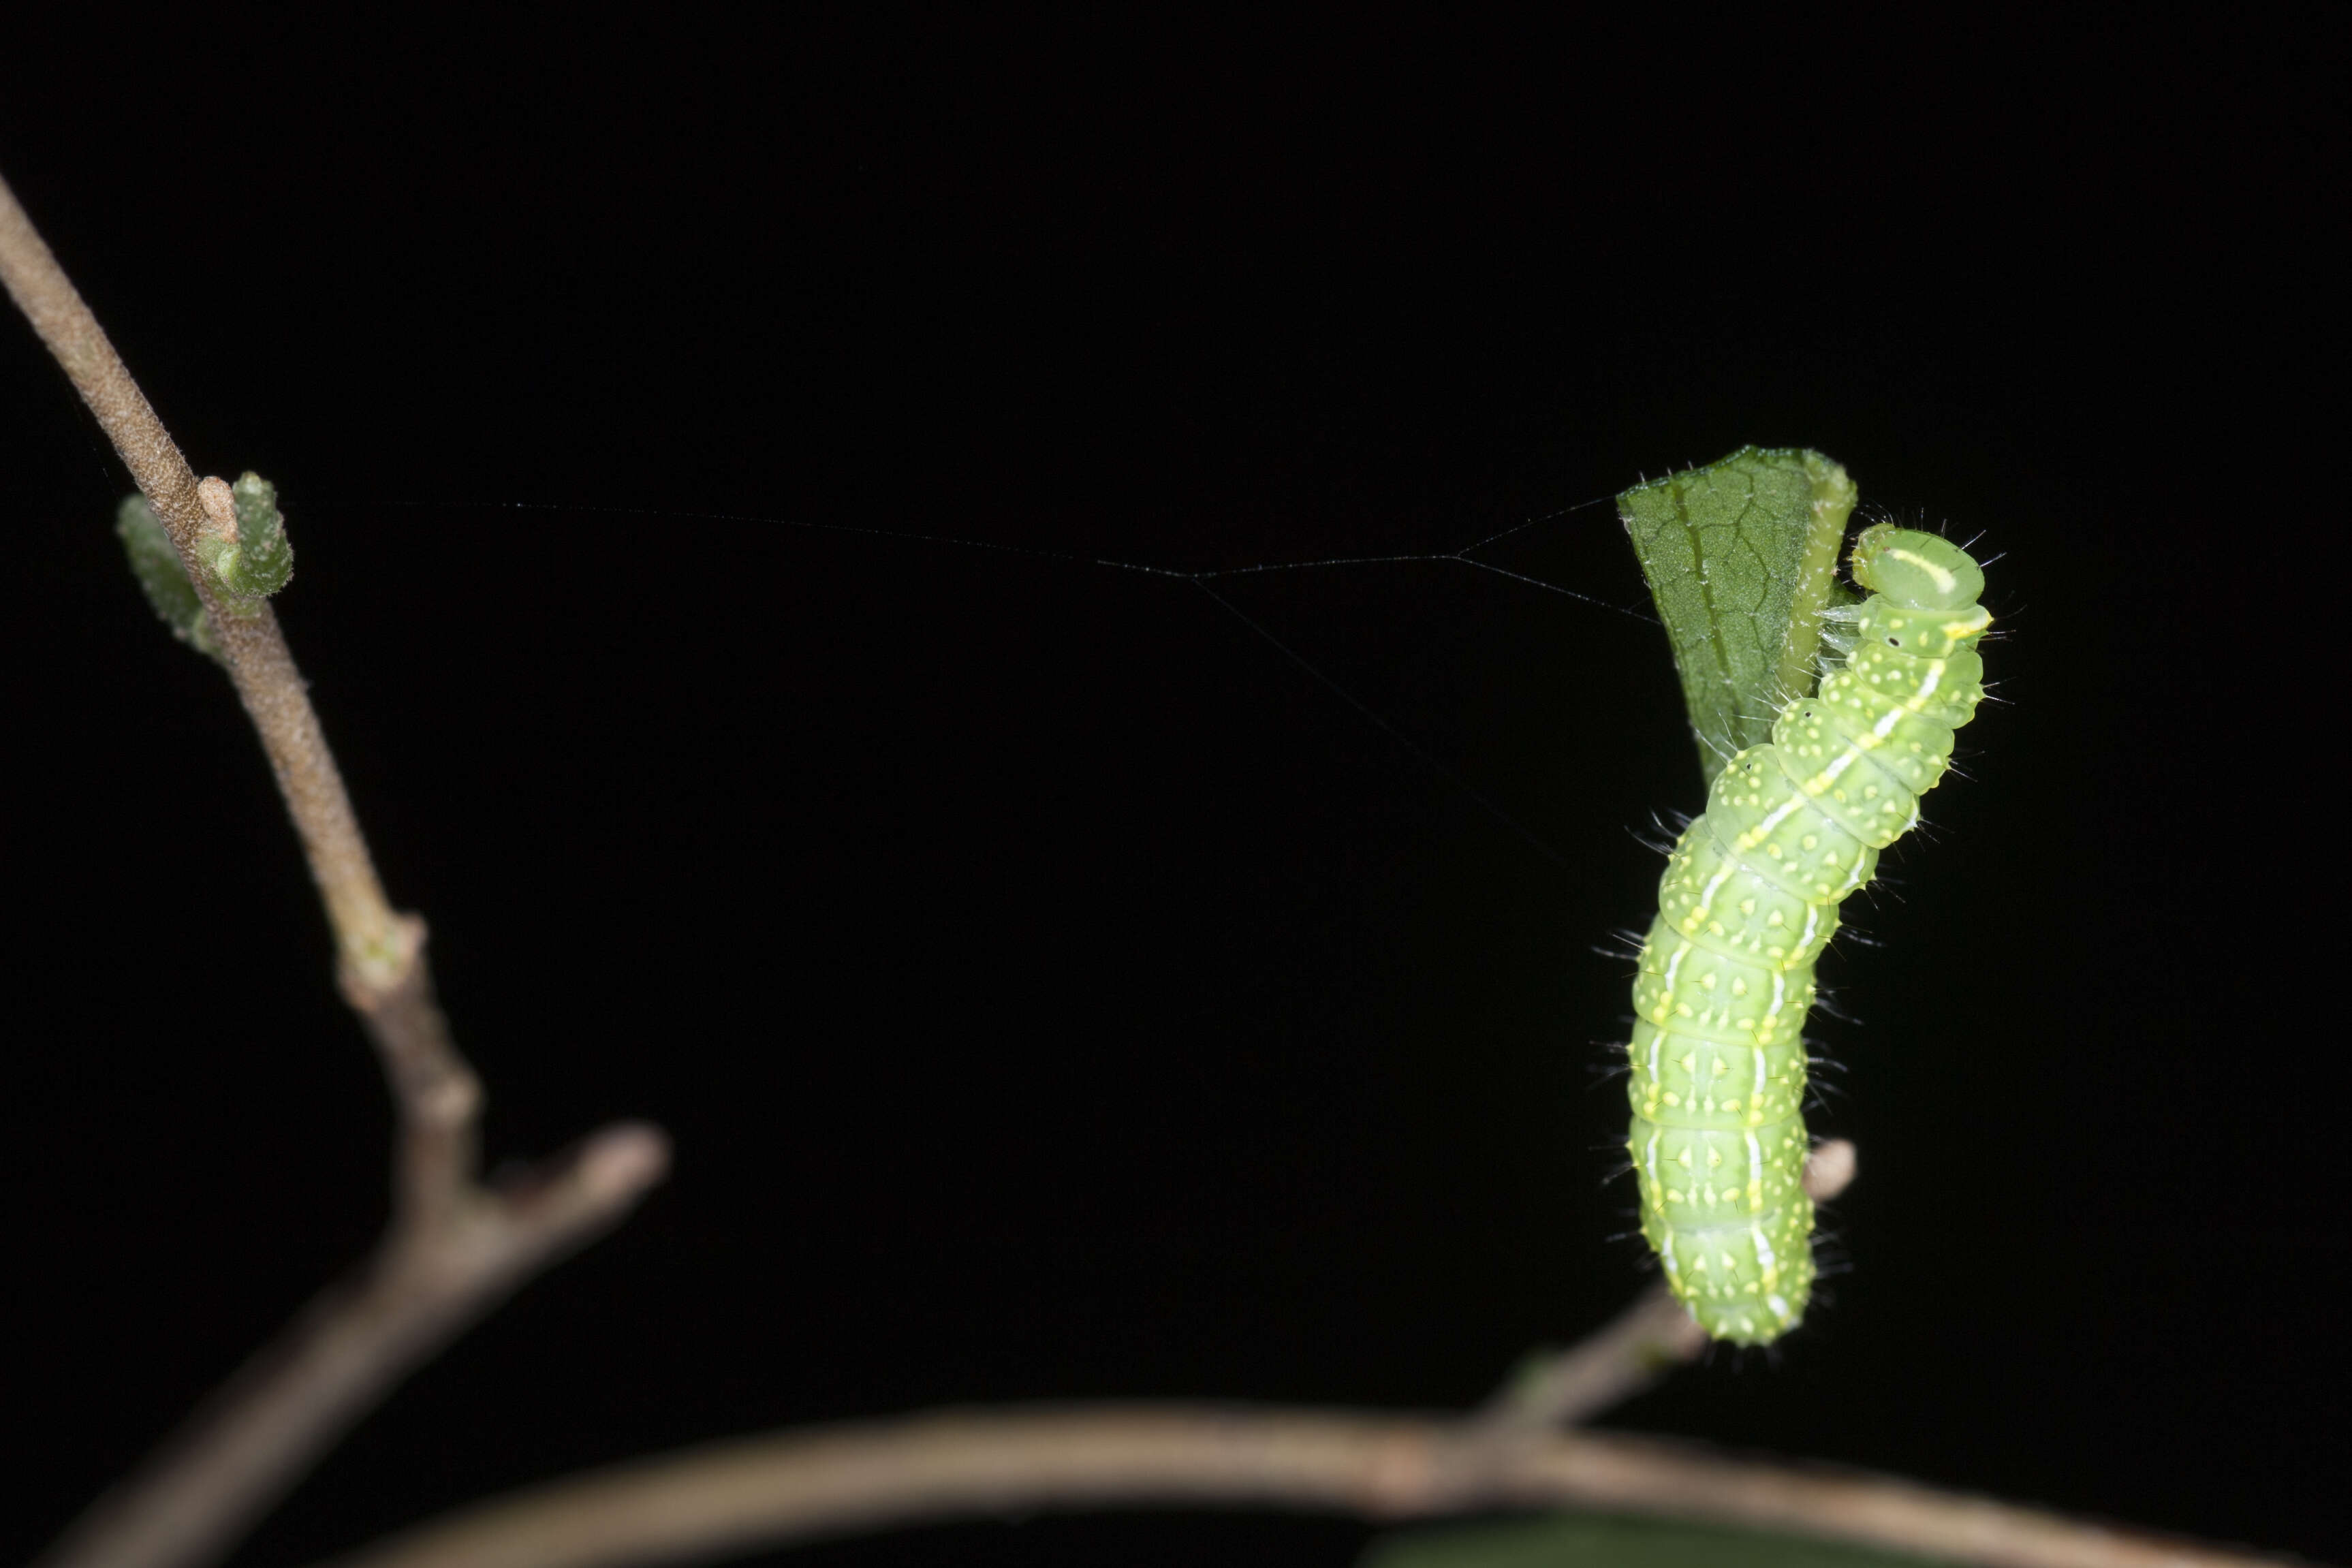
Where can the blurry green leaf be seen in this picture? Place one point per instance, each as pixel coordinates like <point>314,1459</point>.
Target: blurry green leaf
<point>157,566</point>
<point>1741,557</point>
<point>1588,1540</point>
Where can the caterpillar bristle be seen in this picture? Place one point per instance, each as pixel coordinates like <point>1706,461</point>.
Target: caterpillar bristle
<point>1838,1264</point>
<point>1833,1007</point>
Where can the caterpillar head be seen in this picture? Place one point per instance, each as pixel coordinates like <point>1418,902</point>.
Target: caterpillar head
<point>1918,570</point>
<point>1929,585</point>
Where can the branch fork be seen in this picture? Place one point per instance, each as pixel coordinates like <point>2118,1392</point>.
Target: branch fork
<point>455,1247</point>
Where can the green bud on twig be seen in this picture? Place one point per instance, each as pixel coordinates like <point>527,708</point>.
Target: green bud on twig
<point>244,543</point>
<point>161,575</point>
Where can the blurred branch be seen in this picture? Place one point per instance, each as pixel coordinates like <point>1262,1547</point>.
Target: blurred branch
<point>1644,1343</point>
<point>769,1491</point>
<point>246,1446</point>
<point>455,1247</point>
<point>763,1492</point>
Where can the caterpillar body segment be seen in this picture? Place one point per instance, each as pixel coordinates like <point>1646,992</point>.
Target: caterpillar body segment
<point>1750,898</point>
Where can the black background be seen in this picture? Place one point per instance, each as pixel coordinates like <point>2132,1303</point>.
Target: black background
<point>1052,988</point>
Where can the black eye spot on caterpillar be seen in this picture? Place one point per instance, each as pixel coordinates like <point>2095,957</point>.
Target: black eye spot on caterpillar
<point>1748,901</point>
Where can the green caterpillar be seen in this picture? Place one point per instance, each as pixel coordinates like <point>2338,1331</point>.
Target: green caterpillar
<point>1750,898</point>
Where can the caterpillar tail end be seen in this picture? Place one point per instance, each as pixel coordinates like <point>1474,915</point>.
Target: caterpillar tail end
<point>1748,1284</point>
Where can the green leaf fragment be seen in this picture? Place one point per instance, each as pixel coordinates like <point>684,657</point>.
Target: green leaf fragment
<point>1586,1541</point>
<point>162,577</point>
<point>255,558</point>
<point>268,554</point>
<point>1742,558</point>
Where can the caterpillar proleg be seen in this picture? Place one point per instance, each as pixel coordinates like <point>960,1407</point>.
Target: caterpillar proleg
<point>1750,898</point>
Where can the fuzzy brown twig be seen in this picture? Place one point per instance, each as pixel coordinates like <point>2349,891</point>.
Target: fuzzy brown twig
<point>455,1247</point>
